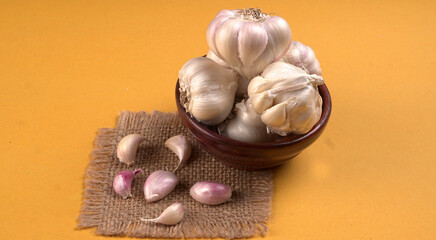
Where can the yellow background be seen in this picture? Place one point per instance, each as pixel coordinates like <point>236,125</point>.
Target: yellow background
<point>68,68</point>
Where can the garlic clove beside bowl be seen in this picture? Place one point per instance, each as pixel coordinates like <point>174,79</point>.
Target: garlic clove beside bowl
<point>254,156</point>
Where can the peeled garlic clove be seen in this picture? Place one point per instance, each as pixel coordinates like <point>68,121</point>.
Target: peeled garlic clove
<point>207,90</point>
<point>159,184</point>
<point>211,193</point>
<point>181,147</point>
<point>127,148</point>
<point>170,216</point>
<point>123,181</point>
<point>303,57</point>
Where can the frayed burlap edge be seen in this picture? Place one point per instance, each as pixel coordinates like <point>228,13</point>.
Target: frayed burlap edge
<point>91,214</point>
<point>93,207</point>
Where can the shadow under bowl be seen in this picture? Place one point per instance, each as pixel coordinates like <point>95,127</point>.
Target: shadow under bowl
<point>254,156</point>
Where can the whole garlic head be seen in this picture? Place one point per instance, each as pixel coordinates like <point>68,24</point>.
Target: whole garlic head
<point>287,98</point>
<point>246,126</point>
<point>303,57</point>
<point>207,90</point>
<point>248,39</point>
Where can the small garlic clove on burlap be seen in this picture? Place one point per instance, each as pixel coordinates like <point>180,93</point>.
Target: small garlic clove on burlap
<point>211,193</point>
<point>181,147</point>
<point>123,181</point>
<point>127,148</point>
<point>248,39</point>
<point>297,105</point>
<point>303,57</point>
<point>172,215</point>
<point>241,91</point>
<point>159,184</point>
<point>246,126</point>
<point>207,90</point>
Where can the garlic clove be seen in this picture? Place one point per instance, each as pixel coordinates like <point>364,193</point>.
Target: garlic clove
<point>123,181</point>
<point>252,42</point>
<point>275,116</point>
<point>261,102</point>
<point>170,216</point>
<point>280,35</point>
<point>226,42</point>
<point>159,184</point>
<point>127,148</point>
<point>211,193</point>
<point>181,147</point>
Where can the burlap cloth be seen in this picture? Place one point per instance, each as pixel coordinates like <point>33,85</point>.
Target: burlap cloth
<point>244,216</point>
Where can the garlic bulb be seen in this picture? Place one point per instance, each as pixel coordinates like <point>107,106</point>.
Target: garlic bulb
<point>127,147</point>
<point>247,126</point>
<point>159,184</point>
<point>170,216</point>
<point>123,181</point>
<point>248,39</point>
<point>303,57</point>
<point>181,147</point>
<point>210,193</point>
<point>287,98</point>
<point>207,90</point>
<point>241,91</point>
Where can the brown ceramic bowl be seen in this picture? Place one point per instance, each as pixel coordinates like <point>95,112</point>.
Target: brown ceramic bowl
<point>254,156</point>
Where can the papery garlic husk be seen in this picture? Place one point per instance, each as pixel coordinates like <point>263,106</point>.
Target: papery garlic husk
<point>127,148</point>
<point>159,184</point>
<point>287,98</point>
<point>123,181</point>
<point>207,90</point>
<point>241,91</point>
<point>210,193</point>
<point>248,39</point>
<point>303,57</point>
<point>170,216</point>
<point>246,126</point>
<point>181,147</point>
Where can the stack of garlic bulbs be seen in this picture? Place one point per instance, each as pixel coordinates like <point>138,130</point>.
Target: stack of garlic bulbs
<point>252,56</point>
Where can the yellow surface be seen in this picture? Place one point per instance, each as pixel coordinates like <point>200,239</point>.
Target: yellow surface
<point>68,68</point>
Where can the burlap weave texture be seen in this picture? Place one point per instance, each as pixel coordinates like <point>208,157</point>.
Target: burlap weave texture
<point>244,216</point>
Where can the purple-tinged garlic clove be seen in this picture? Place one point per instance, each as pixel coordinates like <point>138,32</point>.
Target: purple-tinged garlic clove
<point>211,193</point>
<point>159,184</point>
<point>123,181</point>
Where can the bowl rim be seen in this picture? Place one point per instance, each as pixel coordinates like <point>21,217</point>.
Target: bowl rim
<point>285,141</point>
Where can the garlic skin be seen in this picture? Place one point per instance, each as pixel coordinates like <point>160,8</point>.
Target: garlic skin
<point>127,148</point>
<point>287,98</point>
<point>303,57</point>
<point>123,181</point>
<point>210,193</point>
<point>181,147</point>
<point>172,215</point>
<point>247,126</point>
<point>241,91</point>
<point>159,184</point>
<point>248,39</point>
<point>207,90</point>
